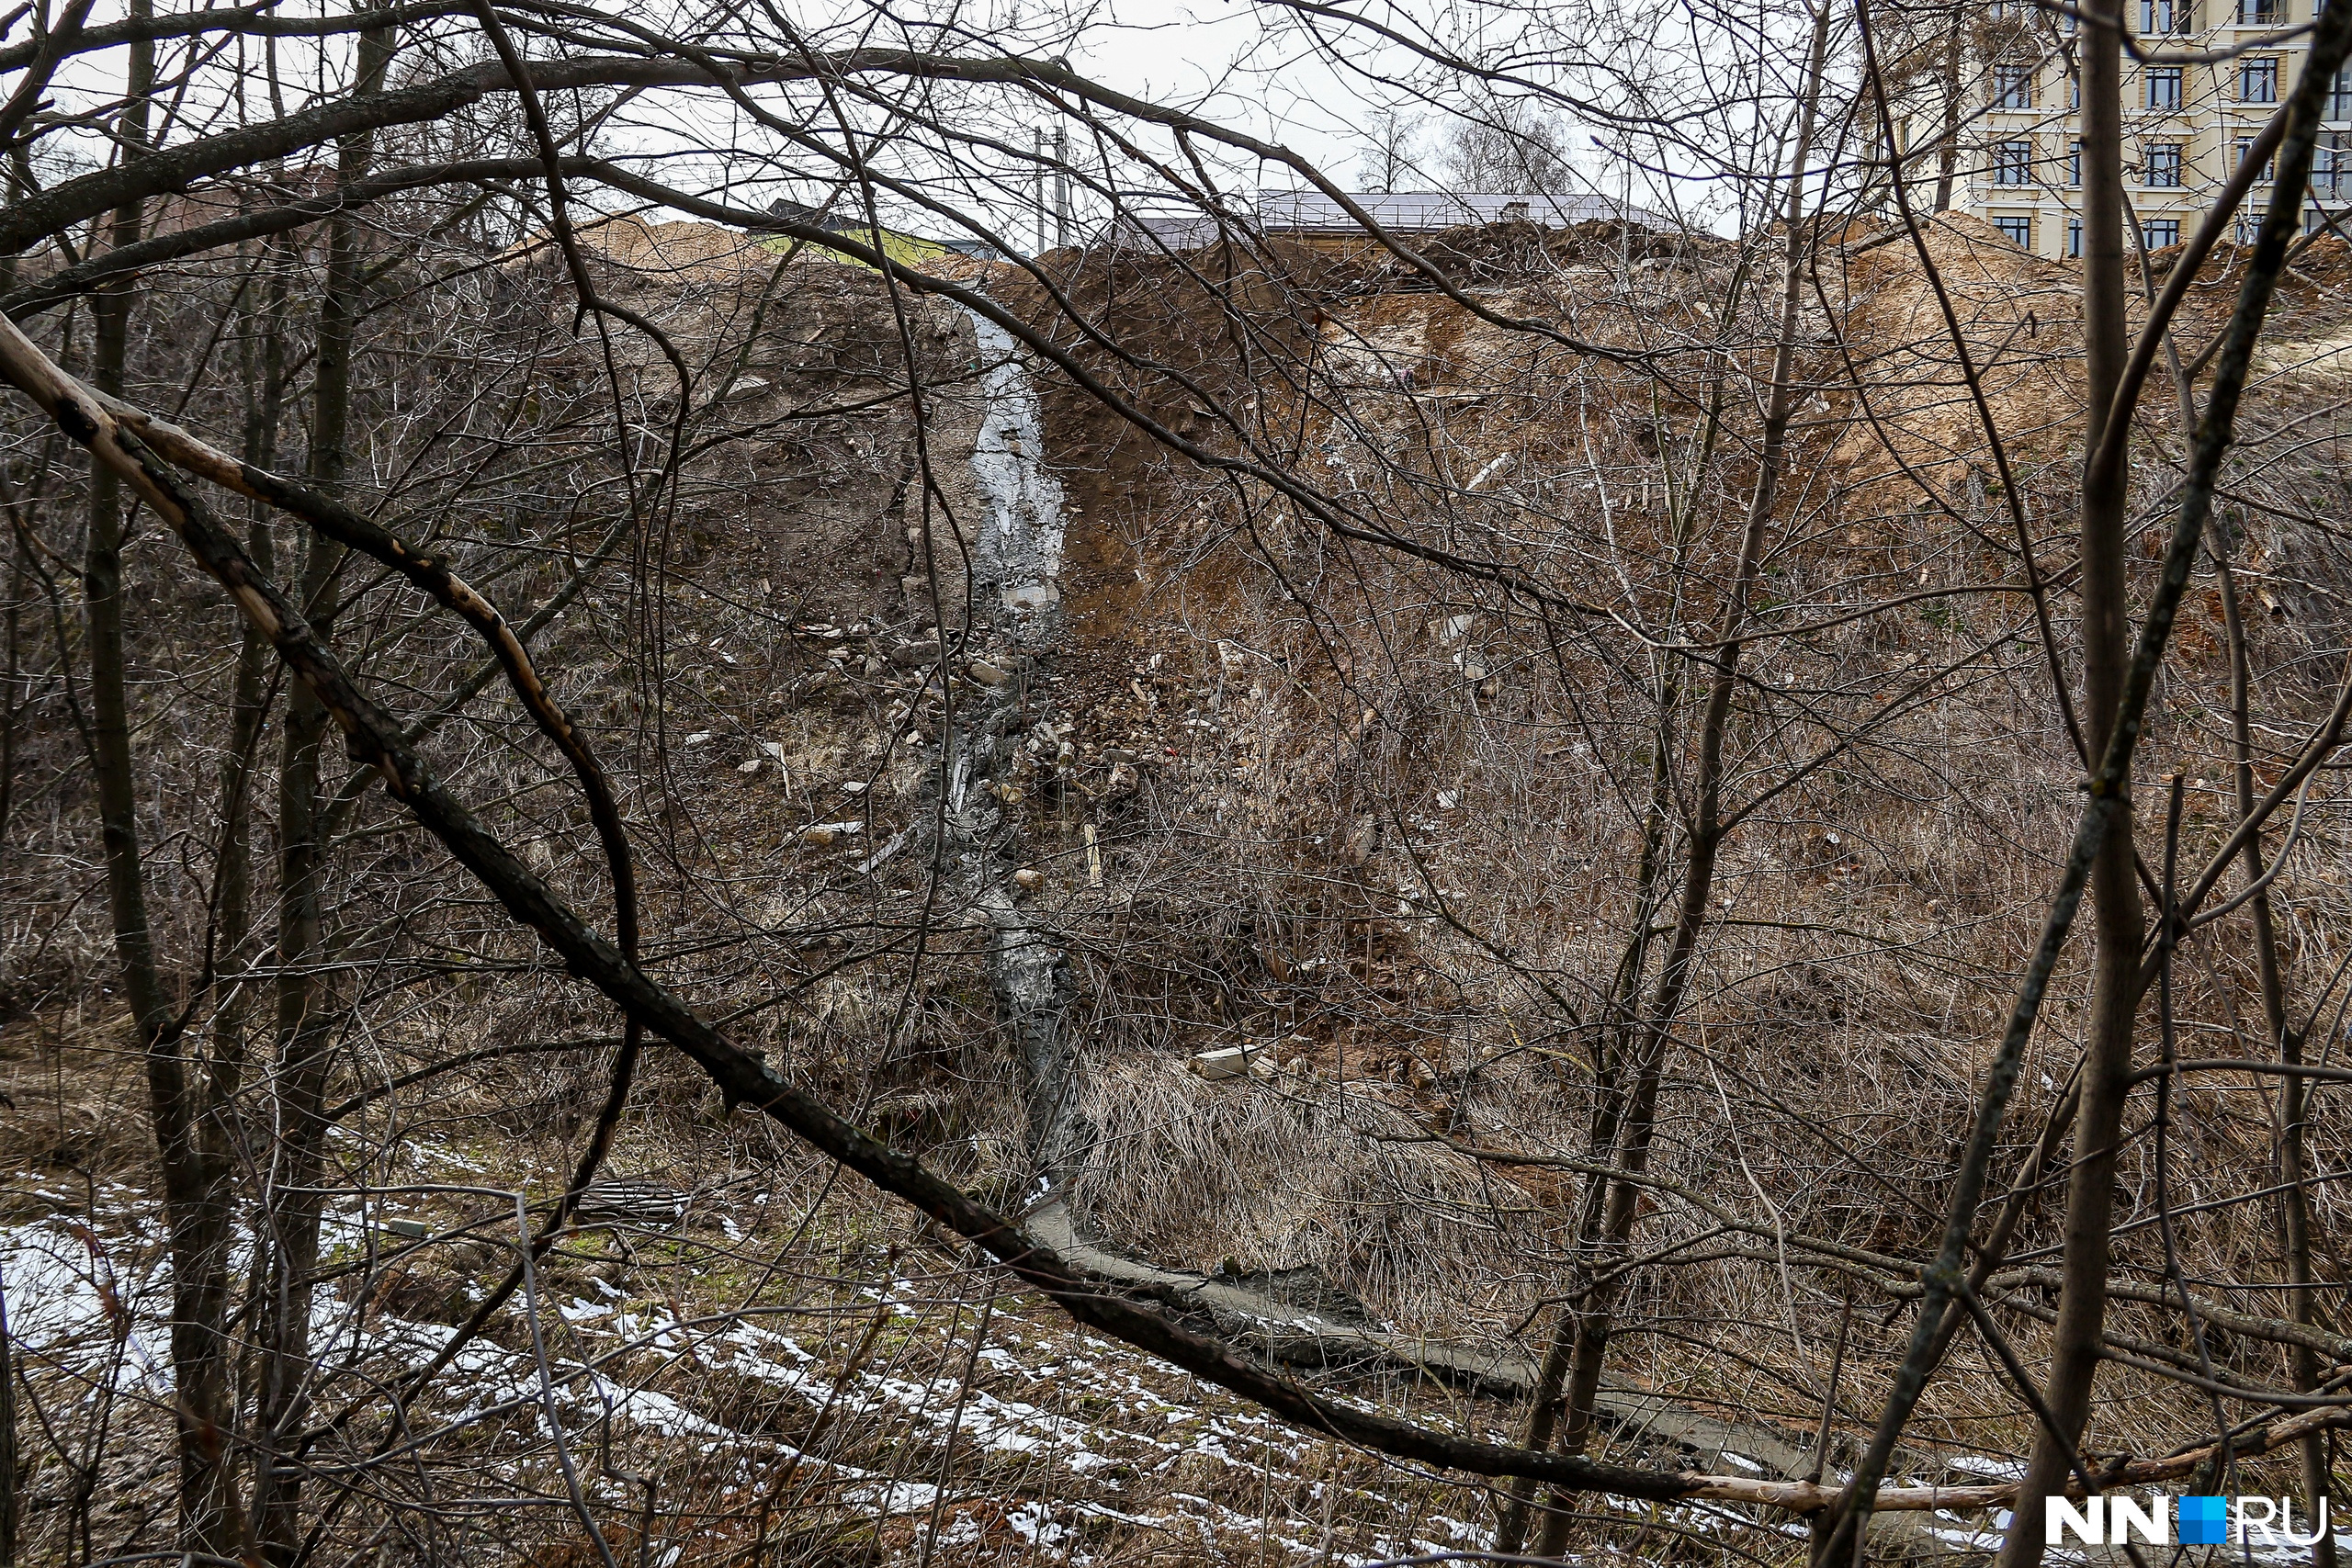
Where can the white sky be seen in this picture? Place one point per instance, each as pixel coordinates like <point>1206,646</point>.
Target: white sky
<point>1247,65</point>
<point>1251,66</point>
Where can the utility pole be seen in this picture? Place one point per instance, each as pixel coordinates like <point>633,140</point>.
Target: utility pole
<point>1625,223</point>
<point>1061,185</point>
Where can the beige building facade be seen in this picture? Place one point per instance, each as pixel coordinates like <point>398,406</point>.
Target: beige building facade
<point>2186,124</point>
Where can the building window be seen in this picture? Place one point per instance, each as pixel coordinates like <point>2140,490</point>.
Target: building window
<point>2017,229</point>
<point>2332,166</point>
<point>2257,13</point>
<point>2013,163</point>
<point>2165,16</point>
<point>2012,87</point>
<point>2259,79</point>
<point>2314,220</point>
<point>2242,150</point>
<point>2074,238</point>
<point>2339,95</point>
<point>2160,232</point>
<point>2247,229</point>
<point>2164,87</point>
<point>2074,165</point>
<point>2162,163</point>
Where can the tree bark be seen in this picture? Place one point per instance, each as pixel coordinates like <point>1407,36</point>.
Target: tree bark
<point>1611,1045</point>
<point>2117,915</point>
<point>2294,1202</point>
<point>1948,142</point>
<point>18,574</point>
<point>8,1511</point>
<point>305,1016</point>
<point>196,1214</point>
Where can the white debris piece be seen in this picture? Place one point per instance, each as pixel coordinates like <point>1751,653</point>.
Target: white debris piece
<point>1489,472</point>
<point>1235,1061</point>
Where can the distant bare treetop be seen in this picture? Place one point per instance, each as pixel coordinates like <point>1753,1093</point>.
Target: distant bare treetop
<point>1391,163</point>
<point>1507,144</point>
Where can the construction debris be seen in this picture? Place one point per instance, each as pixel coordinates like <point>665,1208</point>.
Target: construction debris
<point>1254,1060</point>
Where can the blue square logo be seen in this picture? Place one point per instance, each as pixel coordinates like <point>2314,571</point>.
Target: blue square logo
<point>2204,1521</point>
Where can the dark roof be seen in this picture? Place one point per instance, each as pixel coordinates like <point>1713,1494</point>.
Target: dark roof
<point>1150,221</point>
<point>1420,212</point>
<point>797,212</point>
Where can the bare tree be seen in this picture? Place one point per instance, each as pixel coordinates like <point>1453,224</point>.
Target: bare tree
<point>1507,144</point>
<point>1499,813</point>
<point>1391,163</point>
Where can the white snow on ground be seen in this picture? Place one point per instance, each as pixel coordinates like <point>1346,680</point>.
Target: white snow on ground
<point>95,1304</point>
<point>89,1303</point>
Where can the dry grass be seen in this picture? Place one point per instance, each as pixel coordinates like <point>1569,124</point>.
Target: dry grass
<point>1386,816</point>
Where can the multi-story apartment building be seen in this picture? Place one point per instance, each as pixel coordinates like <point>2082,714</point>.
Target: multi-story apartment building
<point>2186,124</point>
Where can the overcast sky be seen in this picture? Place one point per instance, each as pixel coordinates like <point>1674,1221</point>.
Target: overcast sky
<point>1250,65</point>
<point>1253,66</point>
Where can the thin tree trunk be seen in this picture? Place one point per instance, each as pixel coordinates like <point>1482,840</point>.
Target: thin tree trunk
<point>233,1022</point>
<point>194,1214</point>
<point>2116,915</point>
<point>292,1201</point>
<point>1614,1041</point>
<point>1948,143</point>
<point>1587,1326</point>
<point>7,1438</point>
<point>305,1017</point>
<point>11,710</point>
<point>1610,1047</point>
<point>2295,1215</point>
<point>265,378</point>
